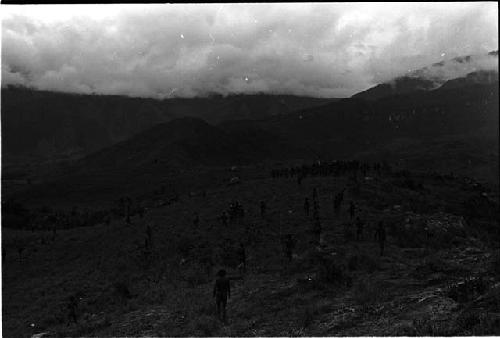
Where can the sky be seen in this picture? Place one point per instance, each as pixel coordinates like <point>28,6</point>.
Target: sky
<point>180,50</point>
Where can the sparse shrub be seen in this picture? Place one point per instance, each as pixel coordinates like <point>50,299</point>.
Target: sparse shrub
<point>489,324</point>
<point>353,262</point>
<point>495,263</point>
<point>195,275</point>
<point>467,290</point>
<point>429,326</point>
<point>307,316</point>
<point>331,272</point>
<point>366,292</point>
<point>206,325</point>
<point>362,261</point>
<point>121,290</point>
<point>155,294</point>
<point>438,230</point>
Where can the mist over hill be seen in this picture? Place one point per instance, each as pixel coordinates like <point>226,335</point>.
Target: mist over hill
<point>481,68</point>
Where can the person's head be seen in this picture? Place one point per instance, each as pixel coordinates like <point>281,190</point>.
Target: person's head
<point>221,273</point>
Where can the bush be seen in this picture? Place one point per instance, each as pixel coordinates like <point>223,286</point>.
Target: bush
<point>495,264</point>
<point>366,292</point>
<point>427,326</point>
<point>195,275</point>
<point>206,325</point>
<point>478,323</point>
<point>332,272</point>
<point>467,290</point>
<point>362,261</point>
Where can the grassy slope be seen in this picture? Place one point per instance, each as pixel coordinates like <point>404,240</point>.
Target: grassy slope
<point>400,294</point>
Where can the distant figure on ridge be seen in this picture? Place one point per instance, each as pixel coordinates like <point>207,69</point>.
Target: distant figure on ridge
<point>381,236</point>
<point>262,209</point>
<point>222,292</point>
<point>306,206</point>
<point>352,209</point>
<point>242,257</point>
<point>359,229</point>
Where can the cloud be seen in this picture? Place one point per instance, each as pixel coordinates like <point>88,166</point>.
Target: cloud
<point>192,50</point>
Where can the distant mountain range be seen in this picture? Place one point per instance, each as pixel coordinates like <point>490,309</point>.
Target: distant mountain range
<point>453,127</point>
<point>340,129</point>
<point>41,125</point>
<point>472,68</point>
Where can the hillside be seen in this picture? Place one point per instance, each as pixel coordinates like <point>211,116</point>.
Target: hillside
<point>439,275</point>
<point>40,125</point>
<point>186,142</point>
<point>354,126</point>
<point>471,69</point>
<point>448,129</point>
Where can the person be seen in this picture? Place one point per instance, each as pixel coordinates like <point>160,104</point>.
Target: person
<point>141,212</point>
<point>128,206</point>
<point>262,209</point>
<point>242,257</point>
<point>306,206</point>
<point>352,209</point>
<point>347,231</point>
<point>196,220</point>
<point>289,246</point>
<point>20,250</point>
<point>224,218</point>
<point>359,229</point>
<point>222,292</point>
<point>336,205</point>
<point>380,235</point>
<point>149,236</point>
<point>317,229</point>
<point>72,306</point>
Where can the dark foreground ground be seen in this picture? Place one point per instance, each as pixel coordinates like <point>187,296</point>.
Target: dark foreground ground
<point>440,274</point>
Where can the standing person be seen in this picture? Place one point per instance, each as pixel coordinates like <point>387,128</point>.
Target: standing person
<point>352,209</point>
<point>72,307</point>
<point>149,236</point>
<point>262,209</point>
<point>315,195</point>
<point>242,257</point>
<point>316,230</point>
<point>223,218</point>
<point>222,292</point>
<point>289,246</point>
<point>359,228</point>
<point>336,205</point>
<point>129,205</point>
<point>141,212</point>
<point>196,220</point>
<point>381,236</point>
<point>306,206</point>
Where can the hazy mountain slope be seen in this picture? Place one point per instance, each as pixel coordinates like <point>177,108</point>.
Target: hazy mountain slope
<point>423,114</point>
<point>184,142</point>
<point>40,125</point>
<point>482,67</point>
